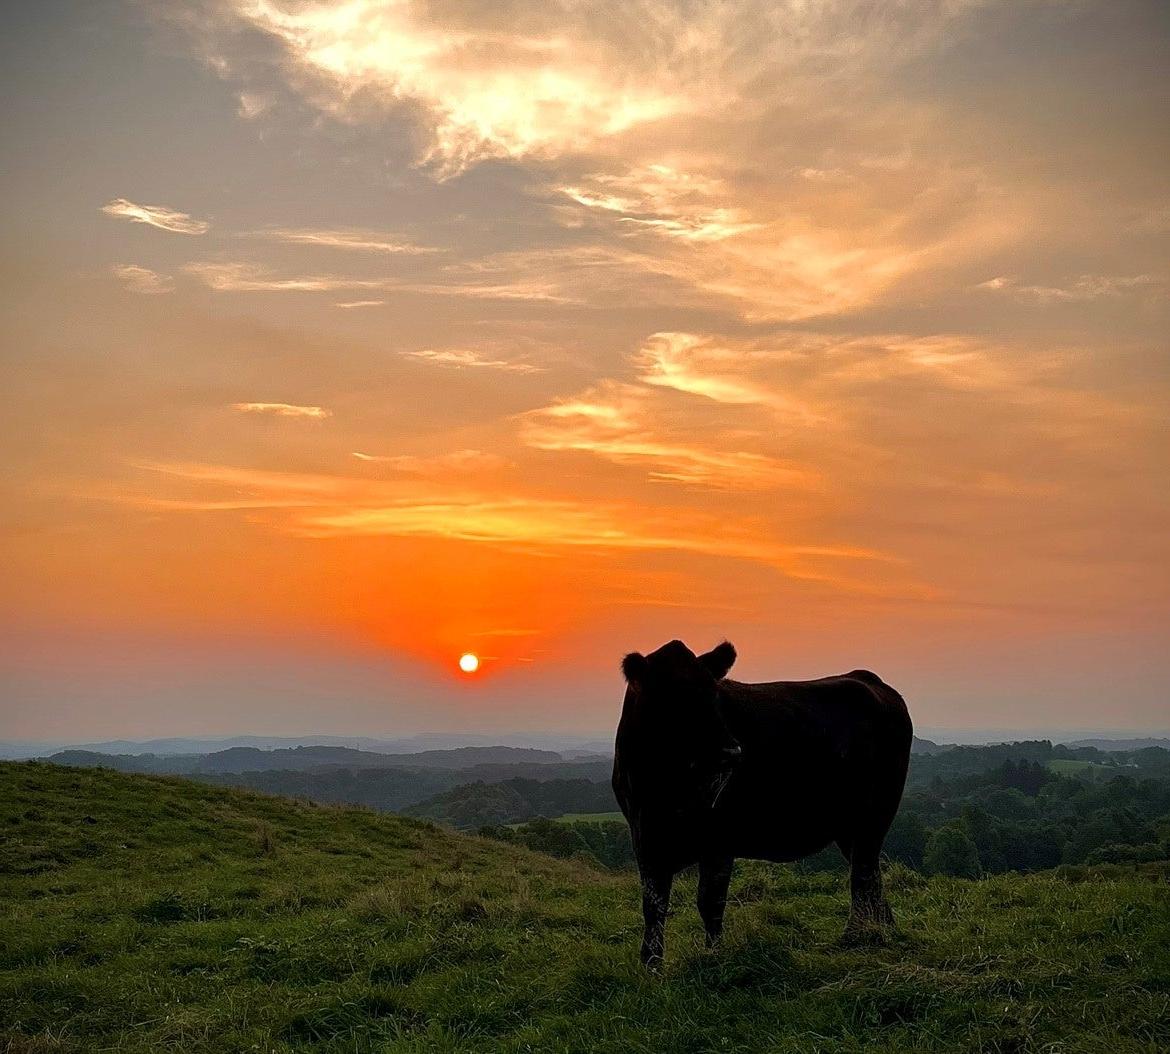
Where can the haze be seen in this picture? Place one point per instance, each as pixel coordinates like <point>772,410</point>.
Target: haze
<point>341,339</point>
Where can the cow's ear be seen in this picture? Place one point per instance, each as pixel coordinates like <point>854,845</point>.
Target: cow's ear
<point>719,660</point>
<point>635,667</point>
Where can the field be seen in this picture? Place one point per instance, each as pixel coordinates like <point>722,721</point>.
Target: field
<point>145,913</point>
<point>590,817</point>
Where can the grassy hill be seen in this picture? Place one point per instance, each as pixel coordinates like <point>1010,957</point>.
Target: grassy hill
<point>144,913</point>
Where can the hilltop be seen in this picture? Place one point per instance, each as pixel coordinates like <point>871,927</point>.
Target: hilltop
<point>148,913</point>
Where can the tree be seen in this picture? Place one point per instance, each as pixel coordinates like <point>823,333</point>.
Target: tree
<point>950,851</point>
<point>906,840</point>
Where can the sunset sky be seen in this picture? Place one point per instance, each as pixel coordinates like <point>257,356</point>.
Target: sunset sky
<point>341,339</point>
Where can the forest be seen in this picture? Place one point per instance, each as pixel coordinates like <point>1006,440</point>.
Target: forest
<point>968,812</point>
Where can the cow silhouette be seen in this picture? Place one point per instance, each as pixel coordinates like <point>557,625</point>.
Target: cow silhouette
<point>708,769</point>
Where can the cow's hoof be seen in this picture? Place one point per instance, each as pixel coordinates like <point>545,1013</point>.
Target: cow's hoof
<point>863,934</point>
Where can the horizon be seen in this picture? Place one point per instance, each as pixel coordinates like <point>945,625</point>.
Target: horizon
<point>346,342</point>
<point>554,742</point>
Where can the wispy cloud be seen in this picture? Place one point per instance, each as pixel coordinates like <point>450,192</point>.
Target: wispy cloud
<point>485,91</point>
<point>473,358</point>
<point>546,81</point>
<point>282,410</point>
<point>704,366</point>
<point>336,506</point>
<point>159,216</point>
<point>143,280</point>
<point>250,278</point>
<point>351,240</point>
<point>458,462</point>
<point>469,282</point>
<point>663,199</point>
<point>350,305</point>
<point>1085,287</point>
<point>622,424</point>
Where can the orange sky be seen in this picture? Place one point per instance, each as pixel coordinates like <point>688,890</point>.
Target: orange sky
<point>343,338</point>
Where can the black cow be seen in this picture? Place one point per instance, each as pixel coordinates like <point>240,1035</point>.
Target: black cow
<point>707,770</point>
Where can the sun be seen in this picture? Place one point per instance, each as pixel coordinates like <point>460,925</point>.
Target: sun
<point>468,662</point>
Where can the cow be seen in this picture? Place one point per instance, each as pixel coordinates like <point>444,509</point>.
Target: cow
<point>708,769</point>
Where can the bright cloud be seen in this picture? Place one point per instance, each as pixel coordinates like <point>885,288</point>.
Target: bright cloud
<point>339,506</point>
<point>470,282</point>
<point>354,241</point>
<point>282,410</point>
<point>1086,287</point>
<point>458,462</point>
<point>475,358</point>
<point>143,280</point>
<point>155,216</point>
<point>486,92</point>
<point>625,425</point>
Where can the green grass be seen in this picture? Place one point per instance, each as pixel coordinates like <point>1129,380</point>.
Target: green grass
<point>152,914</point>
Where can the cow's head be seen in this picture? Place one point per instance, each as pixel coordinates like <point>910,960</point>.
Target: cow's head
<point>674,693</point>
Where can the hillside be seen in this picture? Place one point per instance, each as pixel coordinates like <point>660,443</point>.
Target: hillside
<point>145,913</point>
<point>305,758</point>
<point>474,805</point>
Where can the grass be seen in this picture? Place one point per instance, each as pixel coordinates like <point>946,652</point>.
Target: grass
<point>152,914</point>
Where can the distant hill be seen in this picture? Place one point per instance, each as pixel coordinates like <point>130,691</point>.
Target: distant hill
<point>395,789</point>
<point>304,758</point>
<point>927,746</point>
<point>475,805</point>
<point>1121,745</point>
<point>146,913</point>
<point>569,745</point>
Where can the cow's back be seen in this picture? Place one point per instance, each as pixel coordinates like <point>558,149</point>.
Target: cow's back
<point>814,753</point>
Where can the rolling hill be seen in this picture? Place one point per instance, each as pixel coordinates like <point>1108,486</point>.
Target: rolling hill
<point>147,913</point>
<point>305,758</point>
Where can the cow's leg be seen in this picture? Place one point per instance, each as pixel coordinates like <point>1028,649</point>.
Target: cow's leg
<point>655,903</point>
<point>714,878</point>
<point>869,910</point>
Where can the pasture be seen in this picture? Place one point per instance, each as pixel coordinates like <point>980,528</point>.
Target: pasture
<point>144,913</point>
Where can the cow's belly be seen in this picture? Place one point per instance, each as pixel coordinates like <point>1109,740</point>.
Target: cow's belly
<point>781,817</point>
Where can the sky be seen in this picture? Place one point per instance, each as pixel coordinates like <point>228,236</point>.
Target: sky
<point>342,338</point>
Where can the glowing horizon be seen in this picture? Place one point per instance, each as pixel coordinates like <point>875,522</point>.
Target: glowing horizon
<point>348,338</point>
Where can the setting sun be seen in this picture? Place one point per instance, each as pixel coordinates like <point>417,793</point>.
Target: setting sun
<point>468,663</point>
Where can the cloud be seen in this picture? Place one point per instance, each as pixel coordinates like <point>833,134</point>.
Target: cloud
<point>1086,287</point>
<point>338,506</point>
<point>282,410</point>
<point>807,412</point>
<point>468,282</point>
<point>349,305</point>
<point>542,81</point>
<point>459,462</point>
<point>143,280</point>
<point>625,425</point>
<point>753,158</point>
<point>704,366</point>
<point>473,358</point>
<point>482,90</point>
<point>155,216</point>
<point>250,278</point>
<point>661,198</point>
<point>351,240</point>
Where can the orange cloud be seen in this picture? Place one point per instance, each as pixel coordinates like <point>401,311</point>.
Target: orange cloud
<point>143,280</point>
<point>621,423</point>
<point>282,410</point>
<point>350,240</point>
<point>155,216</point>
